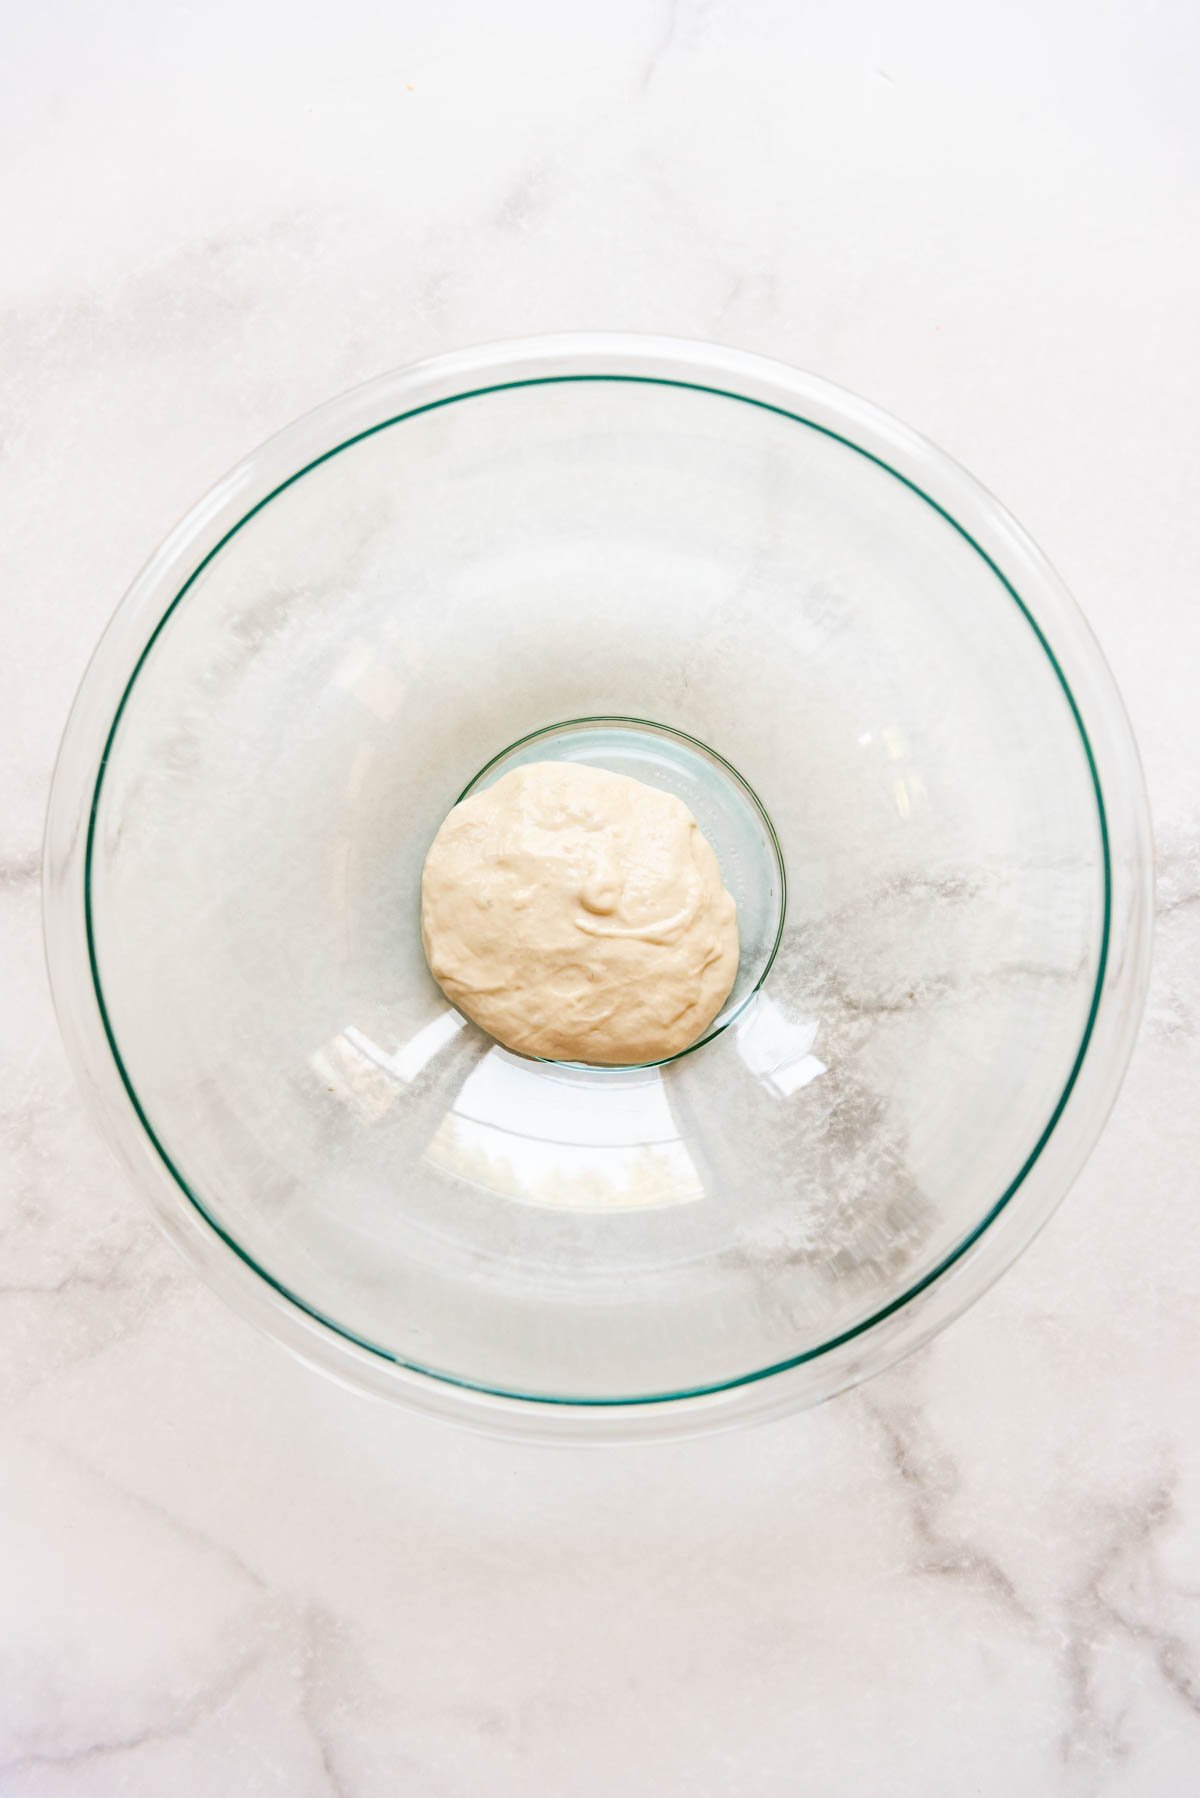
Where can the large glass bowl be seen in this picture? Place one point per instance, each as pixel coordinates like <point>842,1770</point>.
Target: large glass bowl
<point>730,578</point>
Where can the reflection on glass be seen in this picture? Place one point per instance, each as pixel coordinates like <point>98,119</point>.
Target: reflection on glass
<point>406,1063</point>
<point>550,1136</point>
<point>378,688</point>
<point>527,1130</point>
<point>353,1078</point>
<point>776,1050</point>
<point>365,1077</point>
<point>572,1138</point>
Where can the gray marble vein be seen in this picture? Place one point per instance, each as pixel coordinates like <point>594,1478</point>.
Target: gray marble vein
<point>929,1478</point>
<point>1105,1604</point>
<point>662,44</point>
<point>221,1574</point>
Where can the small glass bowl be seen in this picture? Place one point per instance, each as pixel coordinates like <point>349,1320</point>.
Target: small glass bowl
<point>883,707</point>
<point>727,809</point>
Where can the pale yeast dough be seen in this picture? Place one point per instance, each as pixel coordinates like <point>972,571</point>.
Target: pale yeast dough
<point>579,915</point>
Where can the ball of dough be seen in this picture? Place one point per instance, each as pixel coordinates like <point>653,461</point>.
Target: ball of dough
<point>578,915</point>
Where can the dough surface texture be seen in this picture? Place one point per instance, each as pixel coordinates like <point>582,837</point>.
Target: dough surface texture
<point>578,915</point>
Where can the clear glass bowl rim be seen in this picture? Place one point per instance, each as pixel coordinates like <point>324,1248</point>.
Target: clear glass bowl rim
<point>1123,817</point>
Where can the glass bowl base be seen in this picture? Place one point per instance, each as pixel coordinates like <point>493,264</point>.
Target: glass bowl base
<point>725,806</point>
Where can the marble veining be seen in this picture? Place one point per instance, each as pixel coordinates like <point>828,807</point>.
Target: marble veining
<point>223,1574</point>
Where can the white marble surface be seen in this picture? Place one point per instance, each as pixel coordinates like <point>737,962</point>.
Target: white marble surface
<point>220,1574</point>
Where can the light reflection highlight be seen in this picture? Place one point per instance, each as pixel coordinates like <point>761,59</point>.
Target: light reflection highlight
<point>543,1136</point>
<point>776,1050</point>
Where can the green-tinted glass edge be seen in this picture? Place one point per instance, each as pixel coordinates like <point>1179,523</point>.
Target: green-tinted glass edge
<point>778,1367</point>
